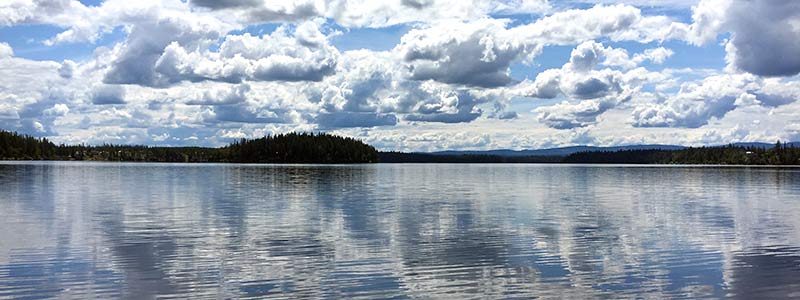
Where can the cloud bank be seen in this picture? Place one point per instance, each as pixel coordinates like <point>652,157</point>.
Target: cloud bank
<point>202,72</point>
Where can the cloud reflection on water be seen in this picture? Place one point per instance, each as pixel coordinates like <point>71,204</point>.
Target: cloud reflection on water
<point>397,231</point>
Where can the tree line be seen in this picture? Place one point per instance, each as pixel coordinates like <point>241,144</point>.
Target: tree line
<point>326,148</point>
<point>280,148</point>
<point>301,148</point>
<point>780,154</point>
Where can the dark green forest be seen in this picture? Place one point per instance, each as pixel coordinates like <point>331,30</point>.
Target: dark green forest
<point>780,154</point>
<point>326,148</point>
<point>301,148</point>
<point>281,148</point>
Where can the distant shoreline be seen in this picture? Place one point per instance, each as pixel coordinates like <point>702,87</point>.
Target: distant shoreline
<point>643,165</point>
<point>722,155</point>
<point>321,148</point>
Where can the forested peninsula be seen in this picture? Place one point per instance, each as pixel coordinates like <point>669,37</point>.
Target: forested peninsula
<point>280,148</point>
<point>329,149</point>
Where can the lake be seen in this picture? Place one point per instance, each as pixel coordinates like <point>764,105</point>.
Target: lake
<point>77,230</point>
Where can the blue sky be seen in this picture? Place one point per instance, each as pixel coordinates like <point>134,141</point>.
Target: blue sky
<point>413,75</point>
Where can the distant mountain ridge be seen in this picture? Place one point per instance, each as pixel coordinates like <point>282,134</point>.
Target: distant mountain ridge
<point>564,151</point>
<point>764,145</point>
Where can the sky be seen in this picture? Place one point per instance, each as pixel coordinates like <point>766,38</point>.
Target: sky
<point>407,75</point>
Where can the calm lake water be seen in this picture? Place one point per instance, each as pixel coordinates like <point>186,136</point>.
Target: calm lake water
<point>124,230</point>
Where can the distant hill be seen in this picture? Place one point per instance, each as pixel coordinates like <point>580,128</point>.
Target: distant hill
<point>564,151</point>
<point>731,154</point>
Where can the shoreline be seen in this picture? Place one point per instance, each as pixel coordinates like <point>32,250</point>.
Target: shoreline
<point>644,165</point>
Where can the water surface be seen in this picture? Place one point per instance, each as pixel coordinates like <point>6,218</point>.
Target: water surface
<point>123,230</point>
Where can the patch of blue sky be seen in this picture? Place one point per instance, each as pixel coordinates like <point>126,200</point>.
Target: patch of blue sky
<point>375,39</point>
<point>524,105</point>
<point>91,2</point>
<point>552,57</point>
<point>684,55</point>
<point>678,14</point>
<point>515,20</point>
<point>564,5</point>
<point>678,10</point>
<point>257,29</point>
<point>28,42</point>
<point>710,56</point>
